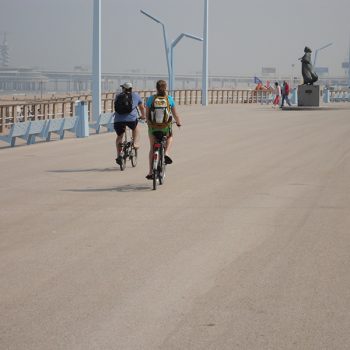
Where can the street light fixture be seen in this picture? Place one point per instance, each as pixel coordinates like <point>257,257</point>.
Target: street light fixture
<point>172,46</point>
<point>165,40</point>
<point>169,52</point>
<point>96,61</point>
<point>349,67</point>
<point>205,69</point>
<point>317,50</point>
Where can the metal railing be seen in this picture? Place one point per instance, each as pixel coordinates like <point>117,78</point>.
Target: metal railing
<point>64,107</point>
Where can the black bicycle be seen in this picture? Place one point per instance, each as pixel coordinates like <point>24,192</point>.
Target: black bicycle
<point>159,165</point>
<point>128,151</point>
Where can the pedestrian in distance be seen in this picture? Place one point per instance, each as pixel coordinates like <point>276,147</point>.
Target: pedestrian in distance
<point>276,101</point>
<point>285,93</point>
<point>128,106</point>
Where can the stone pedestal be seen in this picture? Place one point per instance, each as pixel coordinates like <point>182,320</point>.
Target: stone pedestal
<point>309,95</point>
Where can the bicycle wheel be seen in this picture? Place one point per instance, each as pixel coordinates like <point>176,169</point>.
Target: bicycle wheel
<point>155,175</point>
<point>161,170</point>
<point>133,157</point>
<point>123,164</point>
<point>123,160</point>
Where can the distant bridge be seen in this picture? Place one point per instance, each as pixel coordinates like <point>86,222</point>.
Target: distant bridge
<point>36,81</point>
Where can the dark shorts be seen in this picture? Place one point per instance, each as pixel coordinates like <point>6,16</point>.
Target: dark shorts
<point>120,127</point>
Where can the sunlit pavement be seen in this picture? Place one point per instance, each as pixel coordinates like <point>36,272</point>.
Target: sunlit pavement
<point>245,246</point>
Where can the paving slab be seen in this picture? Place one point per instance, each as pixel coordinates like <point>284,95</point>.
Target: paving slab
<point>245,246</point>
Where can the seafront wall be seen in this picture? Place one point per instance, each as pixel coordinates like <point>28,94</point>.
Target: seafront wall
<point>52,108</point>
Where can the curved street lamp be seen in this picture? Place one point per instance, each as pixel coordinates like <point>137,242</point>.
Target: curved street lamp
<point>172,46</point>
<point>205,66</point>
<point>169,52</point>
<point>317,50</point>
<point>165,40</point>
<point>96,61</point>
<point>349,67</point>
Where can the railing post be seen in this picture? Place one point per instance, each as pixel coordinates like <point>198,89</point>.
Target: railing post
<point>294,97</point>
<point>326,97</point>
<point>81,112</point>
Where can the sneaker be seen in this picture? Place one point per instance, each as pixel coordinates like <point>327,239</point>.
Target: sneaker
<point>119,160</point>
<point>167,160</point>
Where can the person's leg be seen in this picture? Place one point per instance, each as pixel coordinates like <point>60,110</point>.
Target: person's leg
<point>120,129</point>
<point>287,100</point>
<point>275,101</point>
<point>283,97</point>
<point>151,142</point>
<point>136,136</point>
<point>169,142</point>
<point>118,143</point>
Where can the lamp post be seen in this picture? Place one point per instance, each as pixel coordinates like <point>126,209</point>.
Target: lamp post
<point>292,77</point>
<point>205,55</point>
<point>317,50</point>
<point>96,61</point>
<point>349,67</point>
<point>167,56</point>
<point>172,46</point>
<point>169,51</point>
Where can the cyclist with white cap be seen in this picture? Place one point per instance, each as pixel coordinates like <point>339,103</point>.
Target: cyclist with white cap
<point>127,106</point>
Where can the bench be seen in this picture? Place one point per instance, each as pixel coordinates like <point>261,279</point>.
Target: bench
<point>59,126</point>
<point>54,126</point>
<point>106,120</point>
<point>17,130</point>
<point>36,128</point>
<point>69,124</point>
<point>29,130</point>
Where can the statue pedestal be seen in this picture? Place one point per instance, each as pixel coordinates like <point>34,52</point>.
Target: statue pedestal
<point>309,95</point>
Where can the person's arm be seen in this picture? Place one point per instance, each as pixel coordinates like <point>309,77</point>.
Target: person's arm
<point>176,116</point>
<point>142,111</point>
<point>174,112</point>
<point>148,110</point>
<point>148,114</point>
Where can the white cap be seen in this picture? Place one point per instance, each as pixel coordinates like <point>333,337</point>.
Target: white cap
<point>126,85</point>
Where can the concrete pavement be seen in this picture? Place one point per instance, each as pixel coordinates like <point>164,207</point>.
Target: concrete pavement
<point>245,246</point>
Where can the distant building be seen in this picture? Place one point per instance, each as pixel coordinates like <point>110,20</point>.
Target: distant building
<point>4,53</point>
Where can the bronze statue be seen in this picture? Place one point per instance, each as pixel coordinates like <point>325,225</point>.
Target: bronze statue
<point>309,75</point>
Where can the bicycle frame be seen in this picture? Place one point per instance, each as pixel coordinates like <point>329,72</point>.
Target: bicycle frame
<point>158,160</point>
<point>127,150</point>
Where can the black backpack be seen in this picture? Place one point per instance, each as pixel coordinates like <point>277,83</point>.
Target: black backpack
<point>123,103</point>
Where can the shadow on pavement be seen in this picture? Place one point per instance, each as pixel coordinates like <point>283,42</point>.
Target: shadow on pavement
<point>126,188</point>
<point>83,170</point>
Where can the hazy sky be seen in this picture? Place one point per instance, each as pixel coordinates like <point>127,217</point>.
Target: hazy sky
<point>243,35</point>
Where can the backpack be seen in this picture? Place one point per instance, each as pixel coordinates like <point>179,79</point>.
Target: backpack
<point>160,111</point>
<point>123,103</point>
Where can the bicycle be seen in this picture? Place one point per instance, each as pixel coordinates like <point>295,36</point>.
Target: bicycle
<point>159,165</point>
<point>128,151</point>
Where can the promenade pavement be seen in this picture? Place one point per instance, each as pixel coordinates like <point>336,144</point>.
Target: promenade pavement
<point>245,246</point>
